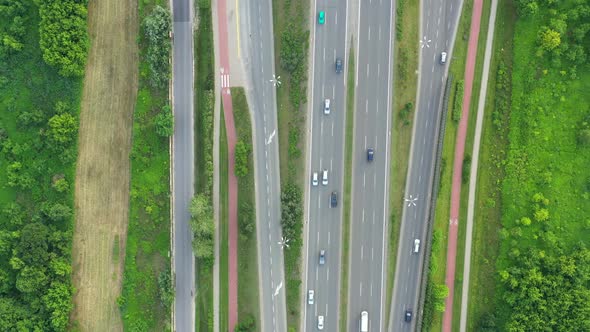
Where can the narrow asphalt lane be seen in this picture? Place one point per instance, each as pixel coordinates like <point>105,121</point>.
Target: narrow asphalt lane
<point>370,178</point>
<point>183,165</point>
<point>438,26</point>
<point>326,151</point>
<point>257,39</point>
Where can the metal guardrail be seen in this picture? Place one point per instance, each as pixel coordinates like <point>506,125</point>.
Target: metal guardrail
<point>435,188</point>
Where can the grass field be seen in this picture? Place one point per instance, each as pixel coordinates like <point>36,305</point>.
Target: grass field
<point>247,249</point>
<point>405,82</point>
<point>103,168</point>
<point>346,207</point>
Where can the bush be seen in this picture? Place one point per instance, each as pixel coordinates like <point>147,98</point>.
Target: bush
<point>203,228</point>
<point>164,122</point>
<point>248,324</point>
<point>458,101</point>
<point>63,35</point>
<point>242,153</point>
<point>466,171</point>
<point>156,28</point>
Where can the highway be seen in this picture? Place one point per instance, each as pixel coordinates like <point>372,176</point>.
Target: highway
<point>438,26</point>
<point>183,164</point>
<point>258,45</point>
<point>326,151</point>
<point>370,184</point>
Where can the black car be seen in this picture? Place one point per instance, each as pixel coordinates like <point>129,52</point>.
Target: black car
<point>408,317</point>
<point>334,199</point>
<point>338,65</point>
<point>370,154</point>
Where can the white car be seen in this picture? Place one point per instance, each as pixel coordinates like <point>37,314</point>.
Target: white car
<point>327,106</point>
<point>310,294</point>
<point>314,179</point>
<point>443,58</point>
<point>320,322</point>
<point>325,177</point>
<point>416,246</point>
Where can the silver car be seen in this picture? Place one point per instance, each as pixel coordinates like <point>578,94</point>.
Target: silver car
<point>327,106</point>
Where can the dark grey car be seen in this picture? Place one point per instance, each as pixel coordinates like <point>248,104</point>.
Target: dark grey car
<point>338,65</point>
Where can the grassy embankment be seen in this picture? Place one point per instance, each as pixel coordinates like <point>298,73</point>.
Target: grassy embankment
<point>248,309</point>
<point>494,143</point>
<point>346,207</point>
<point>35,174</point>
<point>204,103</point>
<point>405,82</point>
<point>146,298</point>
<point>291,47</point>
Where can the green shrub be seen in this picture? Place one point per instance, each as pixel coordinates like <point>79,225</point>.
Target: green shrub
<point>458,101</point>
<point>156,28</point>
<point>164,122</point>
<point>242,152</point>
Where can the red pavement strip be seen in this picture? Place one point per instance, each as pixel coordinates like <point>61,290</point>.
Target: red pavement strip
<point>233,181</point>
<point>458,164</point>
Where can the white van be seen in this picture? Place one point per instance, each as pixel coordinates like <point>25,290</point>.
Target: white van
<point>364,323</point>
<point>325,177</point>
<point>416,246</point>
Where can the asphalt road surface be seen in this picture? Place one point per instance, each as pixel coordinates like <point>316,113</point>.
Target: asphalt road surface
<point>326,152</point>
<point>257,37</point>
<point>438,21</point>
<point>183,165</point>
<point>370,178</point>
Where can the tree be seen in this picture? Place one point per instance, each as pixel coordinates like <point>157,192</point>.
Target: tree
<point>549,39</point>
<point>294,44</point>
<point>31,279</point>
<point>242,152</point>
<point>56,211</point>
<point>62,128</point>
<point>63,36</point>
<point>156,29</point>
<point>164,122</point>
<point>203,228</point>
<point>33,246</point>
<point>542,215</point>
<point>58,300</point>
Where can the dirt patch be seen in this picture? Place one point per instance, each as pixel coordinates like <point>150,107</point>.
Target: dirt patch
<point>103,169</point>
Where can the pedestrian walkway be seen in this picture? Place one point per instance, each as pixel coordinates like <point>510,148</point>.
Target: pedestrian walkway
<point>458,164</point>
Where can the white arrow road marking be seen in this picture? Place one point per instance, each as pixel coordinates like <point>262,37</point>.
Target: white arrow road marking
<point>271,137</point>
<point>278,289</point>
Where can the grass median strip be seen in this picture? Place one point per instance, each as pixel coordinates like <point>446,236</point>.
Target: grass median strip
<point>404,98</point>
<point>346,208</point>
<point>248,292</point>
<point>223,227</point>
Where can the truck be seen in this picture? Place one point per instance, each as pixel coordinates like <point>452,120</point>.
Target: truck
<point>364,323</point>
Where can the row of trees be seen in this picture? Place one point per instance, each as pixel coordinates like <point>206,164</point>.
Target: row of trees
<point>63,35</point>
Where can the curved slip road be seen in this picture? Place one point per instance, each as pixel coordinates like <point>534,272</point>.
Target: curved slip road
<point>458,164</point>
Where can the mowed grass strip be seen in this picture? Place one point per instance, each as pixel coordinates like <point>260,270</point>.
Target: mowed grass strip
<point>223,232</point>
<point>204,103</point>
<point>405,84</point>
<point>346,207</point>
<point>482,287</point>
<point>248,292</point>
<point>103,168</point>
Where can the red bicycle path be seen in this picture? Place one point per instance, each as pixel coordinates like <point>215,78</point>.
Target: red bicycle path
<point>230,130</point>
<point>458,164</point>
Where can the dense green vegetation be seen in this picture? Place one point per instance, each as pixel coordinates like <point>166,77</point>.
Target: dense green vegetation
<point>204,103</point>
<point>38,133</point>
<point>63,35</point>
<point>248,292</point>
<point>147,285</point>
<point>543,266</point>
